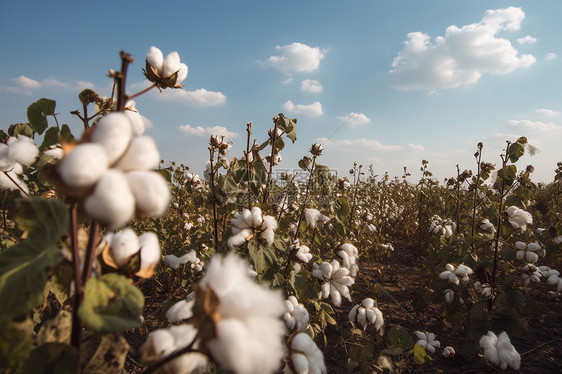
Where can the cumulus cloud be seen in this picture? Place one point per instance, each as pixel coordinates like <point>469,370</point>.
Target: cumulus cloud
<point>526,40</point>
<point>312,86</point>
<point>461,56</point>
<point>354,119</point>
<point>193,98</point>
<point>416,147</point>
<point>537,126</point>
<point>547,112</point>
<point>551,56</point>
<point>207,131</point>
<point>314,109</point>
<point>26,85</point>
<point>296,58</point>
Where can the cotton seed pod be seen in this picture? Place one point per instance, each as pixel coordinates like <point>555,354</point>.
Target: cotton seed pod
<point>83,166</point>
<point>149,249</point>
<point>112,201</point>
<point>113,131</point>
<point>172,65</point>
<point>142,154</point>
<point>155,58</point>
<point>22,150</point>
<point>123,244</point>
<point>257,217</point>
<point>151,192</point>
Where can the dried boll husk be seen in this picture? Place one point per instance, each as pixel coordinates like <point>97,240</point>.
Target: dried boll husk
<point>112,201</point>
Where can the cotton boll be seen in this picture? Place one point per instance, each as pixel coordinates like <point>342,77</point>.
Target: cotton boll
<point>149,249</point>
<point>158,344</point>
<point>155,58</point>
<point>240,238</point>
<point>113,131</point>
<point>268,235</point>
<point>182,73</point>
<point>83,166</point>
<point>111,201</point>
<point>138,122</point>
<point>270,222</point>
<point>300,363</point>
<point>257,217</point>
<point>151,191</point>
<point>180,311</point>
<point>142,154</point>
<point>22,150</point>
<point>123,244</point>
<point>172,65</point>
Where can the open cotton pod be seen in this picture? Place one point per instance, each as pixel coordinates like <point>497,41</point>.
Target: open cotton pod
<point>142,154</point>
<point>150,191</point>
<point>83,166</point>
<point>150,254</point>
<point>113,131</point>
<point>112,201</point>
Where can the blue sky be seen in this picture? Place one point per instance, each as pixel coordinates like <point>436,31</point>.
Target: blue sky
<point>386,83</point>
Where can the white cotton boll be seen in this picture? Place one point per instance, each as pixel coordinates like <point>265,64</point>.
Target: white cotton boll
<point>270,222</point>
<point>520,245</point>
<point>531,256</point>
<point>55,152</point>
<point>368,303</point>
<point>448,352</point>
<point>83,166</point>
<point>180,311</point>
<point>123,244</point>
<point>239,238</point>
<point>257,217</point>
<point>22,150</point>
<point>268,235</point>
<point>142,154</point>
<point>113,131</point>
<point>248,218</point>
<point>326,270</point>
<point>182,73</point>
<point>300,363</point>
<point>138,122</point>
<point>172,65</point>
<point>161,341</point>
<point>6,162</point>
<point>239,222</point>
<point>112,201</point>
<point>150,249</point>
<point>172,261</point>
<point>151,192</point>
<point>533,247</point>
<point>362,317</point>
<point>379,319</point>
<point>155,58</point>
<point>353,313</point>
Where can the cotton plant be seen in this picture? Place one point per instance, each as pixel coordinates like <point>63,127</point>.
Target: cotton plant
<point>484,289</point>
<point>528,251</point>
<point>189,258</point>
<point>296,317</point>
<point>367,313</point>
<point>427,341</point>
<point>442,227</point>
<point>449,295</point>
<point>455,275</point>
<point>121,247</point>
<point>304,356</point>
<point>167,72</point>
<point>448,351</point>
<point>499,351</point>
<point>238,321</point>
<point>17,152</point>
<point>486,226</point>
<point>552,277</point>
<point>111,173</point>
<point>519,218</point>
<point>529,273</point>
<point>336,281</point>
<point>300,251</point>
<point>162,342</point>
<point>251,223</point>
<point>349,255</point>
<point>313,216</point>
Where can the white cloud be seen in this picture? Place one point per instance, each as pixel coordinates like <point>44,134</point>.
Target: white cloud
<point>314,109</point>
<point>461,56</point>
<point>547,112</point>
<point>287,81</point>
<point>354,119</point>
<point>358,145</point>
<point>551,56</point>
<point>312,86</point>
<point>26,82</point>
<point>296,57</point>
<point>71,85</point>
<point>193,98</point>
<point>416,147</point>
<point>539,126</point>
<point>526,40</point>
<point>207,131</point>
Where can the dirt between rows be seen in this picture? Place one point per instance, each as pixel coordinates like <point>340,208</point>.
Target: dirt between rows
<point>398,279</point>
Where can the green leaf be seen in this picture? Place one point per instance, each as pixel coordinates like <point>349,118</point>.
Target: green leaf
<point>37,114</point>
<point>516,150</point>
<point>105,354</point>
<point>56,330</point>
<point>51,138</point>
<point>65,134</point>
<point>399,338</point>
<point>111,304</point>
<point>305,163</point>
<point>24,266</point>
<point>52,358</point>
<point>419,354</point>
<point>88,96</point>
<point>21,128</point>
<point>341,209</point>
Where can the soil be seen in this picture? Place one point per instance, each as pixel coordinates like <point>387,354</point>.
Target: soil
<point>398,279</point>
